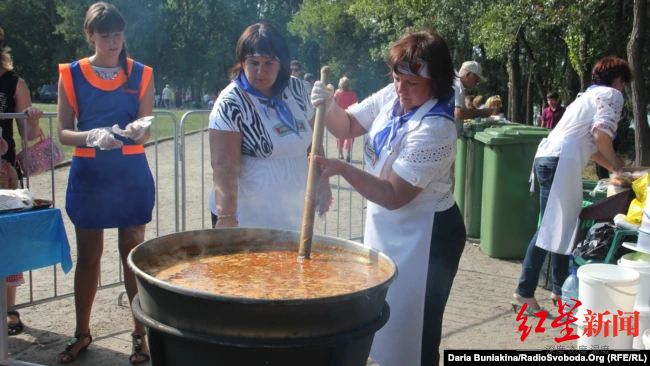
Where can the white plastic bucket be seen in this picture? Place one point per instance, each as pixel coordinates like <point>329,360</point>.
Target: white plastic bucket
<point>639,262</point>
<point>607,287</point>
<point>646,339</point>
<point>644,327</point>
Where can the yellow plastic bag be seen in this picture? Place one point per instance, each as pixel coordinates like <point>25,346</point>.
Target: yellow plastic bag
<point>635,212</point>
<point>639,187</point>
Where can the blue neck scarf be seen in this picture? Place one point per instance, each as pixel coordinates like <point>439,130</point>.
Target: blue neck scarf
<point>444,108</point>
<point>280,106</point>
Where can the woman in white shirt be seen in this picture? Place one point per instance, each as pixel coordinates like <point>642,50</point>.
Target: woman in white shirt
<point>260,132</point>
<point>585,131</point>
<point>410,144</point>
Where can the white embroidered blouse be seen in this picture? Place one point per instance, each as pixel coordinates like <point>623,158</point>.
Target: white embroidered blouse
<point>599,108</point>
<point>426,153</point>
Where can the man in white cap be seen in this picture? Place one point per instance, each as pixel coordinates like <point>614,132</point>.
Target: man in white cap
<point>469,75</point>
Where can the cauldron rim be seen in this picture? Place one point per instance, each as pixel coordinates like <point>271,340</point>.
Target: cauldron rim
<point>245,300</point>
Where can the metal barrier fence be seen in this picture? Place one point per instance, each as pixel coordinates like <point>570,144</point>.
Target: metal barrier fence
<point>347,209</point>
<point>345,220</point>
<point>46,286</point>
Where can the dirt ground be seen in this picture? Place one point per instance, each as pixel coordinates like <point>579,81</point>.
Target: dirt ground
<point>478,314</point>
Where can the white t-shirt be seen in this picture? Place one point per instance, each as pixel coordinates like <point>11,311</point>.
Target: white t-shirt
<point>459,101</point>
<point>167,93</point>
<point>273,170</point>
<point>425,154</point>
<point>598,108</point>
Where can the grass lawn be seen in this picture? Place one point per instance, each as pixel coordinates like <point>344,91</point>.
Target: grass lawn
<point>165,126</point>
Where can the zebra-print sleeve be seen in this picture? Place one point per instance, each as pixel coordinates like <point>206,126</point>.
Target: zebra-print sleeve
<point>234,112</point>
<point>300,94</point>
<point>226,115</point>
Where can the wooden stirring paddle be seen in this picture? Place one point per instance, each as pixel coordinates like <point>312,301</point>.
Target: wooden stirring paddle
<point>307,231</point>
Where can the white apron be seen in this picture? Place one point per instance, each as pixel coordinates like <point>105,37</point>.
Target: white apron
<point>560,221</point>
<point>405,236</point>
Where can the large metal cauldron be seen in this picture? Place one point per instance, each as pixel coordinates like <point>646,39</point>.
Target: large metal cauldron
<point>278,332</point>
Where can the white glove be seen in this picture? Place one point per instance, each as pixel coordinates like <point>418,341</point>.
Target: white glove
<point>134,130</point>
<point>103,138</point>
<point>321,93</point>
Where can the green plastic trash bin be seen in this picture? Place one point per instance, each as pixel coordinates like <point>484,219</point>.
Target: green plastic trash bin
<point>460,163</point>
<point>509,211</point>
<point>474,175</point>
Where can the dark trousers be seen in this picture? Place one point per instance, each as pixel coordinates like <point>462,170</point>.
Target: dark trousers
<point>447,244</point>
<point>535,256</point>
<point>214,220</point>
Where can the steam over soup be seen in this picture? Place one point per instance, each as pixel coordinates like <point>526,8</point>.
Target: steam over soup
<point>272,274</point>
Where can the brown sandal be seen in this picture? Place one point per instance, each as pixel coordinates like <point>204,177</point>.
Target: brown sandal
<point>137,349</point>
<point>66,356</point>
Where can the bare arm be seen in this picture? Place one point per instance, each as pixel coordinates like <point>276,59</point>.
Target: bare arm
<point>24,105</point>
<point>225,157</point>
<point>543,124</point>
<point>463,113</point>
<point>68,135</point>
<point>602,161</point>
<point>146,108</point>
<point>606,150</point>
<point>342,124</point>
<point>392,193</point>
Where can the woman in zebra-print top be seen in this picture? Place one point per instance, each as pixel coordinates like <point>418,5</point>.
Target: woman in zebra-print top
<point>260,133</point>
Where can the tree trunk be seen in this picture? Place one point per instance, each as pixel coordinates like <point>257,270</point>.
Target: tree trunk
<point>538,78</point>
<point>585,78</point>
<point>571,81</point>
<point>514,94</point>
<point>635,57</point>
<point>529,99</point>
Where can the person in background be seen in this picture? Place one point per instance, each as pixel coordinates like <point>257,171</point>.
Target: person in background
<point>212,100</point>
<point>14,98</point>
<point>296,71</point>
<point>585,130</point>
<point>206,99</point>
<point>167,96</point>
<point>110,184</point>
<point>495,104</point>
<point>311,80</point>
<point>345,97</point>
<point>410,144</point>
<point>469,102</point>
<point>15,94</point>
<point>552,114</point>
<point>9,180</point>
<point>260,135</point>
<point>478,102</point>
<point>469,76</point>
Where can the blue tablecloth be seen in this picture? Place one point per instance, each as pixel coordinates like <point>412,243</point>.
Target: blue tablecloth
<point>31,240</point>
